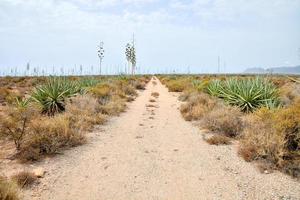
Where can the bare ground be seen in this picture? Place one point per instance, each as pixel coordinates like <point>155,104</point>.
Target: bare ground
<point>150,152</point>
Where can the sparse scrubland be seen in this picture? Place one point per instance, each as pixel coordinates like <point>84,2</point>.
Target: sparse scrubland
<point>261,113</point>
<point>44,116</point>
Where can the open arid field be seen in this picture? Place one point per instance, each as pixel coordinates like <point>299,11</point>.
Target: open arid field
<point>142,137</point>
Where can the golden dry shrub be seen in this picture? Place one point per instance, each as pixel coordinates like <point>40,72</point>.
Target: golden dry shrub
<point>115,106</point>
<point>177,85</point>
<point>15,122</point>
<point>275,136</point>
<point>289,93</point>
<point>139,84</point>
<point>226,120</point>
<point>260,134</point>
<point>49,135</point>
<point>84,112</point>
<point>8,190</point>
<point>8,95</point>
<point>102,92</point>
<point>198,105</point>
<point>218,140</point>
<point>24,179</point>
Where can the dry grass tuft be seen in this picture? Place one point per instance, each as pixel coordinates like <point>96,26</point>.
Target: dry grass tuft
<point>155,94</point>
<point>8,190</point>
<point>218,140</point>
<point>24,179</point>
<point>224,119</point>
<point>198,106</point>
<point>248,153</point>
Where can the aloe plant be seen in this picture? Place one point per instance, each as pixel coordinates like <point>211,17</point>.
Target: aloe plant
<point>248,94</point>
<point>51,96</point>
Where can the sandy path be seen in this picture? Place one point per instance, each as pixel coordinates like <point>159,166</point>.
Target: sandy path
<point>139,158</point>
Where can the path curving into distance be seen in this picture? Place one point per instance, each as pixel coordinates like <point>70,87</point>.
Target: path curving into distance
<point>151,153</point>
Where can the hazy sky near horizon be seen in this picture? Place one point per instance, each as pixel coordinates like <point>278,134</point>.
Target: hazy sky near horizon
<point>170,34</point>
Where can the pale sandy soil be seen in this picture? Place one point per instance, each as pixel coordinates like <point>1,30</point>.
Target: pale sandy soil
<point>152,153</point>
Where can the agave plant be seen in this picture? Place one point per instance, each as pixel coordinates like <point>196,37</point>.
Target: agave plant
<point>214,88</point>
<point>51,96</point>
<point>248,94</point>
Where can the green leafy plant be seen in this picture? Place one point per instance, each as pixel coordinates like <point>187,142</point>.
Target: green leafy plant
<point>51,96</point>
<point>248,94</point>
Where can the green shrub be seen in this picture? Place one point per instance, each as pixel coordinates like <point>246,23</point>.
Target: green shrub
<point>248,94</point>
<point>51,96</point>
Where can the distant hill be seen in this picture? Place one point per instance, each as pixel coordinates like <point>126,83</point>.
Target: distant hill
<point>274,70</point>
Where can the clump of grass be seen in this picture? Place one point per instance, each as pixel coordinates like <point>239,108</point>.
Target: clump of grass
<point>218,140</point>
<point>24,179</point>
<point>8,190</point>
<point>198,106</point>
<point>248,94</point>
<point>224,119</point>
<point>155,94</point>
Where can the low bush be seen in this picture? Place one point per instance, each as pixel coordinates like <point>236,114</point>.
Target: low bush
<point>198,106</point>
<point>139,85</point>
<point>218,140</point>
<point>24,179</point>
<point>289,93</point>
<point>224,119</point>
<point>113,107</point>
<point>176,85</point>
<point>48,136</point>
<point>15,121</point>
<point>84,112</point>
<point>8,190</point>
<point>275,136</point>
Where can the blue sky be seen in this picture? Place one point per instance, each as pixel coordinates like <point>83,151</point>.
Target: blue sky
<point>170,35</point>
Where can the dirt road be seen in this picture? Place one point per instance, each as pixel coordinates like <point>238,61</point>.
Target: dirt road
<point>152,153</point>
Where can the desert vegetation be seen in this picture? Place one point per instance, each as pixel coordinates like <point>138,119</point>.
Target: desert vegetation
<point>44,116</point>
<point>261,114</point>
